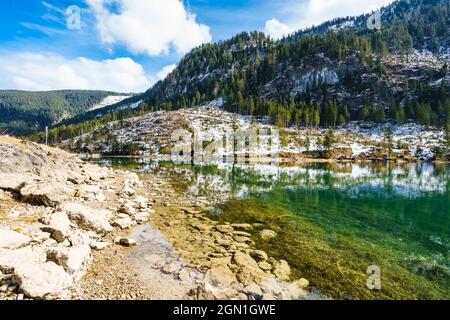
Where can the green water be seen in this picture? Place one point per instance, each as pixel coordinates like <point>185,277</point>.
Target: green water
<point>335,220</point>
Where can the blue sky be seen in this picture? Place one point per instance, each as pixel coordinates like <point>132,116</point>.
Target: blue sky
<point>127,45</point>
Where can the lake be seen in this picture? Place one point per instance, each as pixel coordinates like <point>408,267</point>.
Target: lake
<point>335,221</point>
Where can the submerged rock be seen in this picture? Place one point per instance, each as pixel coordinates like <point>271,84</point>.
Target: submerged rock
<point>268,234</point>
<point>282,270</point>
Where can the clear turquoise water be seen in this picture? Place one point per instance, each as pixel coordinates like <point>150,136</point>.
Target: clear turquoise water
<point>335,220</point>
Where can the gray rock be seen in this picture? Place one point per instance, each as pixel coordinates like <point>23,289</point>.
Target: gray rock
<point>88,218</point>
<point>244,260</point>
<point>49,194</point>
<point>14,181</point>
<point>58,225</point>
<point>282,270</point>
<point>253,291</point>
<point>123,222</point>
<point>220,277</point>
<point>73,259</point>
<point>126,242</point>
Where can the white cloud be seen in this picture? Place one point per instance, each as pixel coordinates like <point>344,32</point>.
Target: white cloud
<point>38,71</point>
<point>150,27</point>
<point>313,12</point>
<point>276,29</point>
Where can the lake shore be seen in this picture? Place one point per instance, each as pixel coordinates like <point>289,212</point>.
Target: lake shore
<point>66,226</point>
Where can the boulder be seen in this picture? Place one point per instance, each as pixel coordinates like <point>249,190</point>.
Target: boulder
<point>13,240</point>
<point>123,222</point>
<point>259,255</point>
<point>242,226</point>
<point>126,242</point>
<point>225,229</point>
<point>220,277</point>
<point>72,259</point>
<point>88,218</point>
<point>301,284</point>
<point>253,291</point>
<point>244,260</point>
<point>249,275</point>
<point>50,194</point>
<point>13,181</point>
<point>282,270</point>
<point>94,173</point>
<point>11,259</point>
<point>58,225</point>
<point>100,245</point>
<point>40,281</point>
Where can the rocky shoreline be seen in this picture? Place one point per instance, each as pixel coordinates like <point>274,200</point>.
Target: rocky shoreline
<point>65,226</point>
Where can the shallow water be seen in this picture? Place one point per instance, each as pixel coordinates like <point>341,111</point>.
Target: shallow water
<point>334,221</point>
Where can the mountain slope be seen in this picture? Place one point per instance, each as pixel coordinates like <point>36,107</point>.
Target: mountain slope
<point>327,75</point>
<point>23,112</point>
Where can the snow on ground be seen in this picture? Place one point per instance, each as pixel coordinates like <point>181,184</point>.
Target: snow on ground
<point>210,122</point>
<point>108,101</point>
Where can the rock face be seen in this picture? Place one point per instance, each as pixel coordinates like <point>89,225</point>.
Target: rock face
<point>12,240</point>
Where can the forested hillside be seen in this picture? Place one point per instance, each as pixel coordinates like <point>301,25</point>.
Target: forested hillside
<point>23,112</point>
<point>324,76</point>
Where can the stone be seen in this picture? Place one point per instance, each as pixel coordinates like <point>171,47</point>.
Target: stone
<point>282,270</point>
<point>50,194</point>
<point>242,239</point>
<point>73,259</point>
<point>58,225</point>
<point>259,255</point>
<point>248,275</point>
<point>265,266</point>
<point>126,242</point>
<point>184,276</point>
<point>88,218</point>
<point>100,245</point>
<point>128,209</point>
<point>301,283</point>
<point>30,270</point>
<point>142,218</point>
<point>169,268</point>
<point>41,281</point>
<point>123,222</point>
<point>13,240</point>
<point>244,260</point>
<point>220,277</point>
<point>254,291</point>
<point>225,229</point>
<point>268,234</point>
<point>242,226</point>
